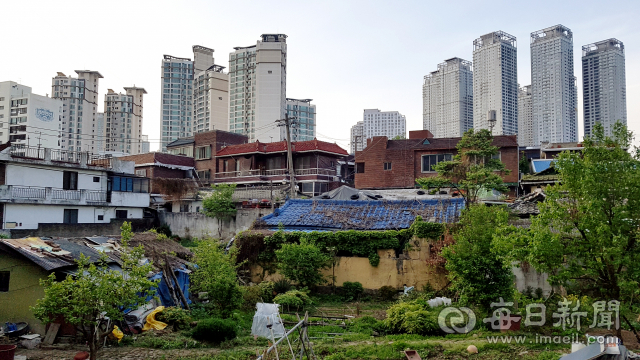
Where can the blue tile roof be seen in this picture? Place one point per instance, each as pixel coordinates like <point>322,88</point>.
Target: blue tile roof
<point>308,215</point>
<point>541,164</point>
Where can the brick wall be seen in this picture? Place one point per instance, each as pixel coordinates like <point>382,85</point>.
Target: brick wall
<point>375,156</point>
<point>216,140</point>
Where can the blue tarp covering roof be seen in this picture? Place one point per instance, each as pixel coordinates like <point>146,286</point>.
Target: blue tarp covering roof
<point>541,164</point>
<point>163,290</point>
<point>309,215</point>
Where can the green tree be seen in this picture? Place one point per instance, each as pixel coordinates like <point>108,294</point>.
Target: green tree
<point>302,263</point>
<point>586,236</point>
<point>216,275</point>
<point>96,292</point>
<point>523,164</point>
<point>220,204</point>
<point>476,271</point>
<point>473,169</point>
<point>399,137</point>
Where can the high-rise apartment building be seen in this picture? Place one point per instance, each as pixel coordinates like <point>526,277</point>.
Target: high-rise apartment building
<point>447,98</point>
<point>604,88</point>
<point>27,118</point>
<point>79,109</point>
<point>177,99</point>
<point>123,120</point>
<point>303,128</point>
<point>525,117</point>
<point>553,85</point>
<point>358,143</point>
<point>101,129</point>
<point>146,145</point>
<point>210,92</point>
<point>391,124</point>
<point>257,88</point>
<point>495,83</point>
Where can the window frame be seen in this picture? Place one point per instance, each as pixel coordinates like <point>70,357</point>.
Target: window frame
<point>119,212</point>
<point>387,166</point>
<point>70,216</point>
<point>5,281</point>
<point>422,169</point>
<point>70,180</point>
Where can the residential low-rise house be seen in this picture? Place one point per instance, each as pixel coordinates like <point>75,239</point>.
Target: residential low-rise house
<point>156,165</point>
<point>202,147</point>
<point>385,163</point>
<point>41,185</point>
<point>258,163</point>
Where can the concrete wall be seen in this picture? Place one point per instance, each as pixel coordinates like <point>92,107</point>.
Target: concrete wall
<point>527,276</point>
<point>24,175</point>
<point>200,226</point>
<point>27,216</point>
<point>80,230</point>
<point>24,290</point>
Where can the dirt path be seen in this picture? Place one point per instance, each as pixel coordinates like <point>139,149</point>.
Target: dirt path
<point>120,353</point>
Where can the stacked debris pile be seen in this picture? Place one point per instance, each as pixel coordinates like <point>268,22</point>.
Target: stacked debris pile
<point>527,205</point>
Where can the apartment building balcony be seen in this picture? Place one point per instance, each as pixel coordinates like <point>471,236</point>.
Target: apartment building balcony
<point>52,196</point>
<point>56,157</point>
<point>275,175</point>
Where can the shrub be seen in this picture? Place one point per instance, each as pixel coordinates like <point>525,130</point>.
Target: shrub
<point>293,299</point>
<point>250,296</point>
<point>427,230</point>
<point>174,316</point>
<point>366,325</point>
<point>351,290</point>
<point>267,290</point>
<point>387,293</point>
<point>281,286</point>
<point>215,330</point>
<point>302,263</point>
<point>164,229</point>
<point>413,317</point>
<point>374,259</point>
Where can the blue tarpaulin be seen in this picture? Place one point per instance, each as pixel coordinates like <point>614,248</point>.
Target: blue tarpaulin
<point>163,290</point>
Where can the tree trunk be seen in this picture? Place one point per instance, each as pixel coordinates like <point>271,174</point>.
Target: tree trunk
<point>93,350</point>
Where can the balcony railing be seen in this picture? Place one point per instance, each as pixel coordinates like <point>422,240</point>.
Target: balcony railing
<point>66,156</point>
<point>28,192</point>
<point>99,160</point>
<point>97,196</point>
<point>31,152</point>
<point>274,172</point>
<point>60,194</point>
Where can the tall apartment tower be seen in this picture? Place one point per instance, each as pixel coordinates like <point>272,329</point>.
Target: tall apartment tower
<point>27,118</point>
<point>101,128</point>
<point>304,126</point>
<point>553,85</point>
<point>495,82</point>
<point>123,120</point>
<point>525,117</point>
<point>377,123</point>
<point>447,98</point>
<point>604,88</point>
<point>210,92</point>
<point>79,109</point>
<point>257,88</point>
<point>358,142</point>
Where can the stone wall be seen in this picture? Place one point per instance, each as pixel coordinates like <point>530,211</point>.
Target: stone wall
<point>200,226</point>
<point>83,229</point>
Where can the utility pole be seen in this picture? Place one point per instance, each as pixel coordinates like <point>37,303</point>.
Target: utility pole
<point>286,122</point>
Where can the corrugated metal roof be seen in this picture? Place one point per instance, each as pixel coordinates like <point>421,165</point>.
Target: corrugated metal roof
<point>362,215</point>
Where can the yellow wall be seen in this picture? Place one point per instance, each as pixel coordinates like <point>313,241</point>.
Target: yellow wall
<point>24,290</point>
<point>410,269</point>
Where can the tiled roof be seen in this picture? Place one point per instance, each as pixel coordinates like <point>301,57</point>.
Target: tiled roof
<point>170,159</point>
<point>450,143</point>
<point>182,141</point>
<point>280,146</point>
<point>362,215</point>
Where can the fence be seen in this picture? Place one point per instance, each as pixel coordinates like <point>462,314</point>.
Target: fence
<point>65,156</point>
<point>27,151</point>
<point>60,194</point>
<point>27,192</point>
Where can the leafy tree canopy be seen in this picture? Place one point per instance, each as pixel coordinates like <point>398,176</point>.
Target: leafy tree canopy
<point>220,203</point>
<point>302,263</point>
<point>474,168</point>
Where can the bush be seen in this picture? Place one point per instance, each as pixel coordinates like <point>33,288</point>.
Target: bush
<point>366,325</point>
<point>302,263</point>
<point>267,290</point>
<point>176,317</point>
<point>351,290</point>
<point>215,330</point>
<point>281,286</point>
<point>164,229</point>
<point>427,230</point>
<point>387,293</point>
<point>374,259</point>
<point>250,296</point>
<point>293,299</point>
<point>413,317</point>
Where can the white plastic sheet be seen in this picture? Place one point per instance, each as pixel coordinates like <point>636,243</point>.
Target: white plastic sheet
<point>267,314</point>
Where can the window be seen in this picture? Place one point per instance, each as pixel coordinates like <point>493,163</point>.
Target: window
<point>387,166</point>
<point>4,281</point>
<point>142,172</point>
<point>204,174</point>
<point>128,184</point>
<point>203,152</point>
<point>70,216</point>
<point>121,214</point>
<point>184,208</point>
<point>360,168</point>
<point>100,217</point>
<point>429,161</point>
<point>96,179</point>
<point>70,180</point>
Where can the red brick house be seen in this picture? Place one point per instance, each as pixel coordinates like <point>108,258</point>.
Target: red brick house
<point>388,163</point>
<point>202,148</point>
<point>156,165</point>
<point>258,163</point>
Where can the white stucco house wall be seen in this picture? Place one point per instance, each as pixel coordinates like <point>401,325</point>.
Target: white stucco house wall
<point>42,185</point>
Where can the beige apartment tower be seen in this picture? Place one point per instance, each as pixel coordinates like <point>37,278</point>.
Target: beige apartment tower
<point>123,120</point>
<point>79,97</point>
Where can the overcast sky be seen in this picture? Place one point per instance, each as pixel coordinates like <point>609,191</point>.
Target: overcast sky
<point>345,55</point>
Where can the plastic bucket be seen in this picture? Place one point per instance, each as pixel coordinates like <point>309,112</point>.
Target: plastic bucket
<point>7,352</point>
